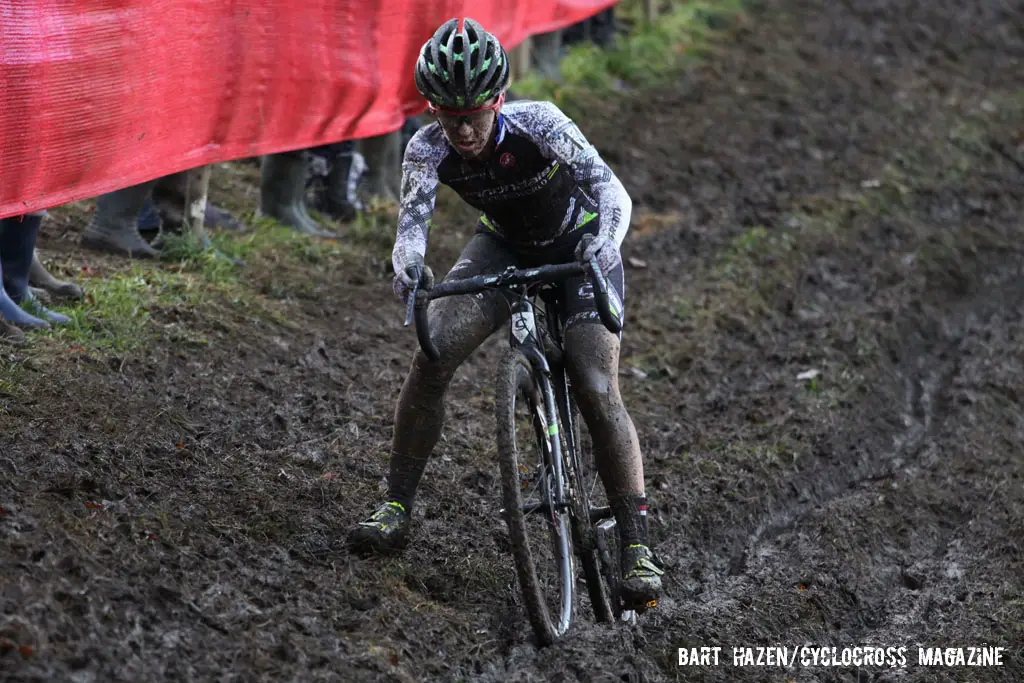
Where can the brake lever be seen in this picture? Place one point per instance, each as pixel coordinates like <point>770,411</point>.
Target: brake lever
<point>609,317</point>
<point>411,306</point>
<point>415,274</point>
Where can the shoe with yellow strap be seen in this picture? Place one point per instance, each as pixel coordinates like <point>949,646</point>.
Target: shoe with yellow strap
<point>641,577</point>
<point>386,529</point>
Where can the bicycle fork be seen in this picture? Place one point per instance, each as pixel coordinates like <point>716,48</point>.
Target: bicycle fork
<point>525,338</point>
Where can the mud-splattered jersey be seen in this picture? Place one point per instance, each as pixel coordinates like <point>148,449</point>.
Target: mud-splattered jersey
<point>543,181</point>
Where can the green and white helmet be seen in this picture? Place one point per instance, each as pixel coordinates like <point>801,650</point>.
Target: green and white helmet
<point>461,69</point>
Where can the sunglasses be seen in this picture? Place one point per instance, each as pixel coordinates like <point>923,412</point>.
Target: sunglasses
<point>454,117</point>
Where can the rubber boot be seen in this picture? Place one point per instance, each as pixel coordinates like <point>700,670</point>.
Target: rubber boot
<point>283,190</point>
<point>409,128</point>
<point>384,165</point>
<point>546,54</point>
<point>9,334</point>
<point>604,27</point>
<point>149,221</point>
<point>114,226</point>
<point>340,200</point>
<point>39,277</point>
<point>17,243</point>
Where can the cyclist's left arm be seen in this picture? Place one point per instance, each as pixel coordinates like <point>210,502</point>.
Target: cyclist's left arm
<point>564,141</point>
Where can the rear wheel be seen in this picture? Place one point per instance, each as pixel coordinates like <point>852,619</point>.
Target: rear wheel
<point>539,522</point>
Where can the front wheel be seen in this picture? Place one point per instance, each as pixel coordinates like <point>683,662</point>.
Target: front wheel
<point>533,491</point>
<point>583,483</point>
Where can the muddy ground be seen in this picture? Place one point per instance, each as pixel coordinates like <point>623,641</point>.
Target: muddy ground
<point>837,189</point>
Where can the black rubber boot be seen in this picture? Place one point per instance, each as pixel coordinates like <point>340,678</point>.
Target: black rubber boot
<point>340,200</point>
<point>9,334</point>
<point>283,190</point>
<point>12,313</point>
<point>546,54</point>
<point>114,226</point>
<point>17,248</point>
<point>39,277</point>
<point>384,165</point>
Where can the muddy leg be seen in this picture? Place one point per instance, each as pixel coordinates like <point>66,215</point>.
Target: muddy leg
<point>592,361</point>
<point>458,325</point>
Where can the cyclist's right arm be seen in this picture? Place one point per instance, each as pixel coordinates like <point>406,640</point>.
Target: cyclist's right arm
<point>416,203</point>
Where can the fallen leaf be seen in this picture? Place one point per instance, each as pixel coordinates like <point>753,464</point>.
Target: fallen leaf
<point>329,476</point>
<point>636,263</point>
<point>25,650</point>
<point>94,506</point>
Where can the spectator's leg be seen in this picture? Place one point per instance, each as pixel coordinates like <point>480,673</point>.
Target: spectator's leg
<point>17,247</point>
<point>10,313</point>
<point>9,334</point>
<point>340,200</point>
<point>604,28</point>
<point>574,34</point>
<point>384,165</point>
<point>149,220</point>
<point>39,277</point>
<point>283,191</point>
<point>114,226</point>
<point>169,200</point>
<point>409,128</point>
<point>547,54</point>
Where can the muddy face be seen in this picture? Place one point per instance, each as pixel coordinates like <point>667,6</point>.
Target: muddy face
<point>469,134</point>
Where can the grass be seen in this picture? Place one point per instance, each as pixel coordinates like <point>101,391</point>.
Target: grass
<point>126,306</point>
<point>641,59</point>
<point>12,374</point>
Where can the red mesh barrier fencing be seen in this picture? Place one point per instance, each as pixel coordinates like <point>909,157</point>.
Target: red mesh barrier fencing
<point>96,95</point>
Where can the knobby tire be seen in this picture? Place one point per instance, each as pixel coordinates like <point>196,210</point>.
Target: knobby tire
<point>515,374</point>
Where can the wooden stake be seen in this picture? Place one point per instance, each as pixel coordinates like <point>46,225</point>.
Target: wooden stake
<point>650,10</point>
<point>197,188</point>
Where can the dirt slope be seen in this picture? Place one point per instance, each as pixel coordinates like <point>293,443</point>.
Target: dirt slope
<point>839,189</point>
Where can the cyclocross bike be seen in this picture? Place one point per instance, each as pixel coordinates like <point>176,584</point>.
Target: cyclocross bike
<point>546,489</point>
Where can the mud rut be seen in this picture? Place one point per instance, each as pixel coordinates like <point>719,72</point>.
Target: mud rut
<point>878,145</point>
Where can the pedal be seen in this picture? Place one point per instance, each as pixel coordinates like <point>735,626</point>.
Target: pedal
<point>605,528</point>
<point>640,608</point>
<point>525,477</point>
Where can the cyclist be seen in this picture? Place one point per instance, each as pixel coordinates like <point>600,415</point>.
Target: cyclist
<point>542,188</point>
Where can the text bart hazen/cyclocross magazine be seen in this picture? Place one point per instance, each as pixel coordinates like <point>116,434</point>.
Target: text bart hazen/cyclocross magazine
<point>860,657</point>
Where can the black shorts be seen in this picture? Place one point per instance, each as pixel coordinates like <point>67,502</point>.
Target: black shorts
<point>488,253</point>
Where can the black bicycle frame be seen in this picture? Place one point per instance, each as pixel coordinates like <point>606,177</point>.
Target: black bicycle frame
<point>523,335</point>
<point>611,315</point>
